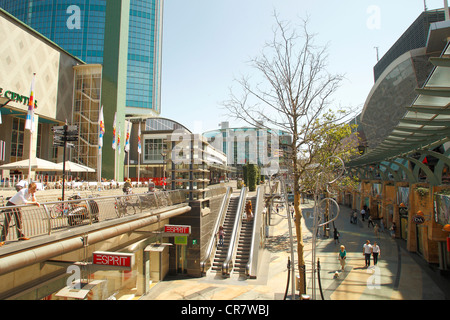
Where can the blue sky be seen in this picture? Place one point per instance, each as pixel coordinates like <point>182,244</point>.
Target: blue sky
<point>207,43</point>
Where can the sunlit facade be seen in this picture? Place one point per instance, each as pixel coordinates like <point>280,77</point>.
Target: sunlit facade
<point>78,26</point>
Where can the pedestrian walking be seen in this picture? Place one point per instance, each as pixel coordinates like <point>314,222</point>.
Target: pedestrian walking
<point>221,234</point>
<point>381,226</point>
<point>363,213</point>
<point>393,229</point>
<point>342,257</point>
<point>23,196</point>
<point>336,235</point>
<point>375,253</point>
<point>367,252</point>
<point>376,230</point>
<point>355,217</point>
<point>370,222</point>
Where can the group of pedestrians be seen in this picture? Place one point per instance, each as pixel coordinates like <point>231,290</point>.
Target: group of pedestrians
<point>377,228</point>
<point>371,250</point>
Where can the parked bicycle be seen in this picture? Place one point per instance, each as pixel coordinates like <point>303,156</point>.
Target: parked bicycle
<point>75,211</point>
<point>122,205</point>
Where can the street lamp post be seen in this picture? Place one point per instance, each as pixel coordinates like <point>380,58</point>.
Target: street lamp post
<point>163,154</point>
<point>316,215</point>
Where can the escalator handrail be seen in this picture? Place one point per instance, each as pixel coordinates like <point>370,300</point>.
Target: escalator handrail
<point>252,264</point>
<point>227,265</point>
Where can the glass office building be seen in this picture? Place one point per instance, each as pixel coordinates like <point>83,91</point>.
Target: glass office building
<point>78,26</point>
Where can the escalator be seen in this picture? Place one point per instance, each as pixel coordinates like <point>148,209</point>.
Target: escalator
<point>244,243</point>
<point>243,240</point>
<point>228,223</point>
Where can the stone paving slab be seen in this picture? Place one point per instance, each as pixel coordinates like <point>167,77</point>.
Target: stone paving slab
<point>396,277</point>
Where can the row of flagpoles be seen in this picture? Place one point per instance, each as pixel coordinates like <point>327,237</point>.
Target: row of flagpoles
<point>29,125</point>
<point>116,144</point>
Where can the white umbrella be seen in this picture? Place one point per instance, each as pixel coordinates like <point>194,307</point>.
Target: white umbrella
<point>37,164</point>
<point>75,167</point>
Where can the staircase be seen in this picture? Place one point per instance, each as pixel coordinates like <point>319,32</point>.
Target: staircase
<point>221,251</point>
<point>245,240</point>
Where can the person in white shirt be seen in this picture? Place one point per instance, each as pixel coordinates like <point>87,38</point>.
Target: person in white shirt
<point>24,196</point>
<point>363,213</point>
<point>21,184</point>
<point>367,251</point>
<point>375,252</point>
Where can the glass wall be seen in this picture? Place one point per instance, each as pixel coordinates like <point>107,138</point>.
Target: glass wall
<point>78,26</point>
<point>87,97</point>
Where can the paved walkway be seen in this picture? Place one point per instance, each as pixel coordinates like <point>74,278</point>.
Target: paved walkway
<point>399,275</point>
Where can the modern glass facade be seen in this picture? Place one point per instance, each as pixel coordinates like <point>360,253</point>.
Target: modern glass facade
<point>414,37</point>
<point>78,26</point>
<point>251,145</point>
<point>86,113</point>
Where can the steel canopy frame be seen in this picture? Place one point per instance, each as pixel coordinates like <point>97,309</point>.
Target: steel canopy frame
<point>425,126</point>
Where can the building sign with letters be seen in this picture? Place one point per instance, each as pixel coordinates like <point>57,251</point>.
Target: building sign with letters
<point>113,259</point>
<point>177,229</point>
<point>418,219</point>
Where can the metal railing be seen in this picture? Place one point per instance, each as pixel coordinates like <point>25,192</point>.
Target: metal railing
<point>51,217</point>
<point>227,265</point>
<point>258,235</point>
<point>209,255</point>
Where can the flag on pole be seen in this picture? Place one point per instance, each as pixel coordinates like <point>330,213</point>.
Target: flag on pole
<point>101,124</point>
<point>127,139</point>
<point>114,132</point>
<point>2,150</point>
<point>118,139</point>
<point>139,140</point>
<point>31,106</point>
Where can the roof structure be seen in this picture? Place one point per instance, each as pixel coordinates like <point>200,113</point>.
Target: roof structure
<point>426,124</point>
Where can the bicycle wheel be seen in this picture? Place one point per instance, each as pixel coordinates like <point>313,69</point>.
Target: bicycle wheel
<point>56,211</point>
<point>121,209</point>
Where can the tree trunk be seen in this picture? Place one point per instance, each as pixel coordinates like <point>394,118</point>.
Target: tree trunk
<point>298,229</point>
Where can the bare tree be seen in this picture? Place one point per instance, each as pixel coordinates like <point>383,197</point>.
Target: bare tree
<point>294,94</point>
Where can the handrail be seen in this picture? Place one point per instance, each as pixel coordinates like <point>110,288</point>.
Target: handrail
<point>38,221</point>
<point>258,234</point>
<point>219,221</point>
<point>227,265</point>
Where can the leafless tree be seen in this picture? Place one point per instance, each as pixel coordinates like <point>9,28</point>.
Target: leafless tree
<point>294,93</point>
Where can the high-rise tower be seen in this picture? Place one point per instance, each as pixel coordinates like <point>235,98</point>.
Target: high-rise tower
<point>78,26</point>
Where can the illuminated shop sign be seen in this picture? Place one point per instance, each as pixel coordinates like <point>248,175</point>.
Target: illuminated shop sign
<point>117,259</point>
<point>17,97</point>
<point>179,230</point>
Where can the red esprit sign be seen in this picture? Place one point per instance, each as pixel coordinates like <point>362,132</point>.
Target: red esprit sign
<point>169,228</point>
<point>112,259</point>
